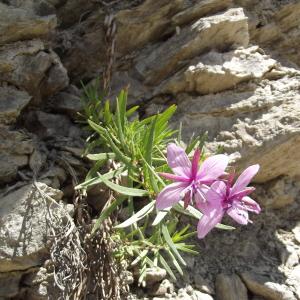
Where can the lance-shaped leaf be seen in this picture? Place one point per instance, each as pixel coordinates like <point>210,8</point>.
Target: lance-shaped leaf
<point>170,243</point>
<point>138,216</point>
<point>123,189</point>
<point>101,156</point>
<point>175,263</point>
<point>166,266</point>
<point>107,212</point>
<point>97,180</point>
<point>160,216</point>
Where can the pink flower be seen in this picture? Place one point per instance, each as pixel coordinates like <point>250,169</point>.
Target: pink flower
<point>190,180</point>
<point>222,198</point>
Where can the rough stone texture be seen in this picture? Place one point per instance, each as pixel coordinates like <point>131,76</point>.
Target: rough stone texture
<point>83,47</point>
<point>23,229</point>
<point>202,284</point>
<point>154,275</point>
<point>200,9</point>
<point>215,72</point>
<point>161,288</point>
<point>193,53</point>
<point>255,123</point>
<point>230,288</point>
<point>145,23</point>
<point>28,66</point>
<point>39,285</point>
<point>15,148</point>
<point>279,192</point>
<point>68,102</point>
<point>9,284</point>
<point>202,296</point>
<point>274,26</point>
<point>12,101</point>
<point>261,286</point>
<point>20,24</point>
<point>47,125</point>
<point>220,31</point>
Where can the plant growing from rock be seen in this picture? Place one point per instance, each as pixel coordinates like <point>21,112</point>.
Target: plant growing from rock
<point>147,230</point>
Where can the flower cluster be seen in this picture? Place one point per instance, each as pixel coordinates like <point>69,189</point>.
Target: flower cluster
<point>207,187</point>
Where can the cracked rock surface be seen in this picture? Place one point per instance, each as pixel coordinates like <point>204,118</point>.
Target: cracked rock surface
<point>232,68</point>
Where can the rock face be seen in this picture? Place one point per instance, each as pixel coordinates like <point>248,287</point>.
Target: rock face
<point>12,101</point>
<point>29,66</point>
<point>230,288</point>
<point>24,226</point>
<point>220,31</point>
<point>259,285</point>
<point>20,24</point>
<point>15,148</point>
<point>273,25</point>
<point>279,192</point>
<point>255,123</point>
<point>232,68</point>
<point>143,24</point>
<point>215,72</point>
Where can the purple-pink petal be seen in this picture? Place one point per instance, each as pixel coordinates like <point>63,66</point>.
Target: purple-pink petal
<point>213,167</point>
<point>251,205</point>
<point>244,179</point>
<point>174,177</point>
<point>213,198</point>
<point>243,193</point>
<point>199,194</point>
<point>178,161</point>
<point>219,187</point>
<point>208,222</point>
<point>188,198</point>
<point>170,195</point>
<point>238,214</point>
<point>195,163</point>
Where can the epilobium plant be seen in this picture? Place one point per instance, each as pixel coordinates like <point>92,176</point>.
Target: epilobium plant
<point>151,234</point>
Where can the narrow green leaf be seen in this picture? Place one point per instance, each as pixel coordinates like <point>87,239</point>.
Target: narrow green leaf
<point>160,216</point>
<point>183,237</point>
<point>120,120</point>
<point>192,144</point>
<point>140,256</point>
<point>184,229</point>
<point>175,263</point>
<point>101,156</point>
<point>107,212</point>
<point>142,274</point>
<point>138,216</point>
<point>149,262</point>
<point>94,169</point>
<point>149,142</point>
<point>151,169</point>
<point>148,154</point>
<point>189,211</point>
<point>122,99</point>
<point>101,130</point>
<point>97,180</point>
<point>107,114</point>
<point>166,266</point>
<point>131,111</point>
<point>164,117</point>
<point>185,248</point>
<point>125,159</point>
<point>224,227</point>
<point>122,189</point>
<point>145,121</point>
<point>170,243</point>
